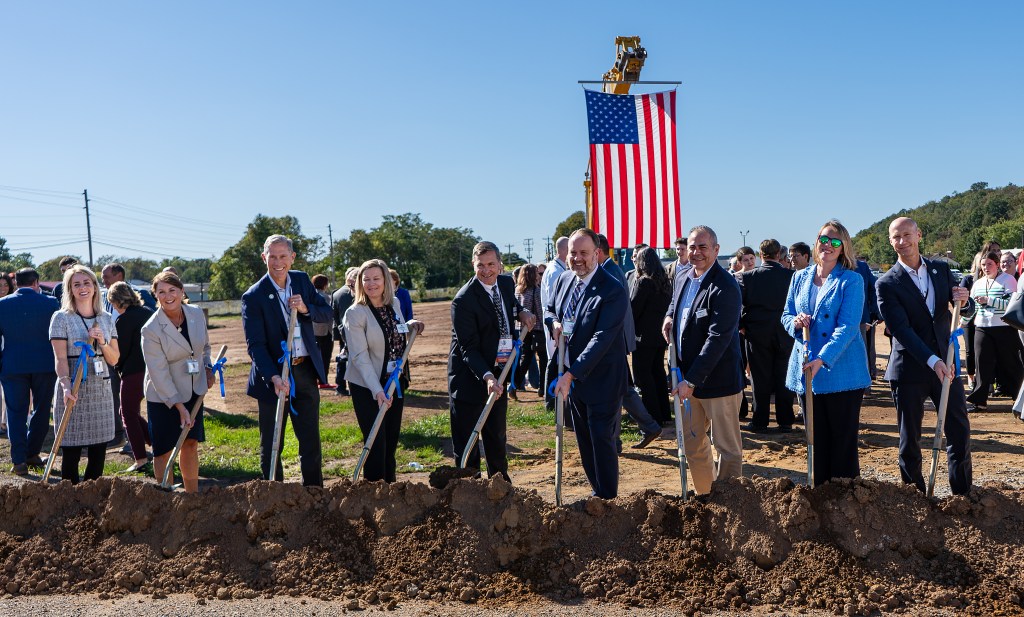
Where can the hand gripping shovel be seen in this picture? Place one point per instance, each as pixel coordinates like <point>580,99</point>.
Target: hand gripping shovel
<point>282,398</point>
<point>559,425</point>
<point>490,402</point>
<point>391,386</point>
<point>59,435</point>
<point>676,407</point>
<point>809,409</point>
<point>168,479</point>
<point>940,421</point>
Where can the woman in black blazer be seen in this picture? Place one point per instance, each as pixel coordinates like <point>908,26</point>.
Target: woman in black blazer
<point>131,367</point>
<point>649,299</point>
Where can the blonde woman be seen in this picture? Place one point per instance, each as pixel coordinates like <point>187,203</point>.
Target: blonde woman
<point>82,332</point>
<point>376,335</point>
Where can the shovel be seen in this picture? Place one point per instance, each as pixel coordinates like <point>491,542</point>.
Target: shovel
<point>282,397</point>
<point>809,409</point>
<point>59,435</point>
<point>680,450</point>
<point>940,421</point>
<point>381,411</point>
<point>559,425</point>
<point>165,482</point>
<point>490,402</point>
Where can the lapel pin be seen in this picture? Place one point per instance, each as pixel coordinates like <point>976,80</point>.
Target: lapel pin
<point>934,271</point>
<point>270,296</point>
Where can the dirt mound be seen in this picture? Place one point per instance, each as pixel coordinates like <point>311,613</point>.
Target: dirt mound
<point>851,547</point>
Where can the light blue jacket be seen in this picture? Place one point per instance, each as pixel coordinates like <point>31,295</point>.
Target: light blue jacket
<point>835,331</point>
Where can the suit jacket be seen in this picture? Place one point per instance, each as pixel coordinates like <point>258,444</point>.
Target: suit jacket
<point>266,327</point>
<point>916,334</point>
<point>166,352</point>
<point>648,305</point>
<point>870,298</point>
<point>597,347</point>
<point>835,331</point>
<point>25,328</point>
<point>340,301</point>
<point>628,327</point>
<point>366,348</point>
<point>475,335</point>
<point>709,356</point>
<point>764,290</point>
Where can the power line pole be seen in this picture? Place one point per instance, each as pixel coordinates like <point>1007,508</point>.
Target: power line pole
<point>88,225</point>
<point>528,247</point>
<point>330,239</point>
<point>509,247</point>
<point>547,248</point>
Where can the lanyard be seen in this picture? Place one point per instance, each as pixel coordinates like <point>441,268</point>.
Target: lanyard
<point>95,320</point>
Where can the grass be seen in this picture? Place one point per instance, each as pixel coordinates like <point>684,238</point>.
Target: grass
<point>232,447</point>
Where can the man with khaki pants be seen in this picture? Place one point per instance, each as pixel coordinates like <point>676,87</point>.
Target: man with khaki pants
<point>703,322</point>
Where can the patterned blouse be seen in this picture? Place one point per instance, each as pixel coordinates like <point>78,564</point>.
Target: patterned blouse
<point>395,340</point>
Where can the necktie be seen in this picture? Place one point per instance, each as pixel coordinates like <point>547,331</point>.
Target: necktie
<point>496,299</point>
<point>574,302</point>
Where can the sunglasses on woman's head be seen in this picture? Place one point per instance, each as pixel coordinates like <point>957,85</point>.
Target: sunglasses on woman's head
<point>835,242</point>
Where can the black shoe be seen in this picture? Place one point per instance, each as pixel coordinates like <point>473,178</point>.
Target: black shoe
<point>647,440</point>
<point>21,469</point>
<point>750,427</point>
<point>976,408</point>
<point>36,462</point>
<point>799,419</point>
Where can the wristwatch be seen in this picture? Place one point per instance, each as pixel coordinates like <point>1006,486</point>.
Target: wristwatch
<point>690,384</point>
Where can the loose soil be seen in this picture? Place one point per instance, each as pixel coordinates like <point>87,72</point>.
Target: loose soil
<point>763,543</point>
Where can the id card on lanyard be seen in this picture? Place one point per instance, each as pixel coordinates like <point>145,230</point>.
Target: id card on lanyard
<point>297,333</point>
<point>99,365</point>
<point>504,349</point>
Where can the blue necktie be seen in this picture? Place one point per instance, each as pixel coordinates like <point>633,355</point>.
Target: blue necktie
<point>574,302</point>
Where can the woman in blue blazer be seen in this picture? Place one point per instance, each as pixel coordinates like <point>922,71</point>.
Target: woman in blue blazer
<point>828,297</point>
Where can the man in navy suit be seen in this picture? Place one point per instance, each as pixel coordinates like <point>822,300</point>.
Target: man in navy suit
<point>27,368</point>
<point>705,328</point>
<point>266,308</point>
<point>590,309</point>
<point>482,340</point>
<point>914,299</point>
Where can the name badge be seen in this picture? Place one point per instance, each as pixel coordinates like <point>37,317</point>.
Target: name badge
<point>99,366</point>
<point>567,326</point>
<point>702,313</point>
<point>392,365</point>
<point>504,349</point>
<point>193,366</point>
<point>403,328</point>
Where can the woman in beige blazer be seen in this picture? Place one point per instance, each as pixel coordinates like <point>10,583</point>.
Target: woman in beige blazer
<point>176,347</point>
<point>376,334</point>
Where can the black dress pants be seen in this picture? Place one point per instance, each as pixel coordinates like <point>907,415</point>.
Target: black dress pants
<point>464,416</point>
<point>836,435</point>
<point>997,353</point>
<point>769,360</point>
<point>380,462</point>
<point>909,399</point>
<point>650,376</point>
<point>71,456</point>
<point>305,423</point>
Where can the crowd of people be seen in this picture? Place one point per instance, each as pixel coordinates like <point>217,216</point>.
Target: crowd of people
<point>798,328</point>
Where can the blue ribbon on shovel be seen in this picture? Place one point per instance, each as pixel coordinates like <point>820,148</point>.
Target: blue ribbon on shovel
<point>393,377</point>
<point>287,357</point>
<point>218,369</point>
<point>83,359</point>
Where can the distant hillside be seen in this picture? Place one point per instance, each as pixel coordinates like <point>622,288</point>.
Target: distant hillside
<point>959,223</point>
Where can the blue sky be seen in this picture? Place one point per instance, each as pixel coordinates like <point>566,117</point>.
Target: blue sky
<point>193,117</point>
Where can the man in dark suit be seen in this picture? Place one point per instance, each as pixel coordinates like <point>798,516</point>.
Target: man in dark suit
<point>341,300</point>
<point>914,299</point>
<point>266,308</point>
<point>705,329</point>
<point>27,368</point>
<point>483,312</point>
<point>764,290</point>
<point>590,309</point>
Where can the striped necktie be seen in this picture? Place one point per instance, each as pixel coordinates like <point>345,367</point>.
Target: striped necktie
<point>496,299</point>
<point>574,302</point>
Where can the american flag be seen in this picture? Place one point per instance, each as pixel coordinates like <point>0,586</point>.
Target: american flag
<point>633,168</point>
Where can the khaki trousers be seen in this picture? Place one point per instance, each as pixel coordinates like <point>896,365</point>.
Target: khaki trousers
<point>721,416</point>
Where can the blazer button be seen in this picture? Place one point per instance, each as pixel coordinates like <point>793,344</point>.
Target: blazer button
<point>824,335</point>
<point>826,315</point>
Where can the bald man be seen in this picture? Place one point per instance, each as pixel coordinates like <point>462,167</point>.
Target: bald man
<point>914,299</point>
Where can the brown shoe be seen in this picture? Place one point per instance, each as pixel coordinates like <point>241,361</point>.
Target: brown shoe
<point>21,469</point>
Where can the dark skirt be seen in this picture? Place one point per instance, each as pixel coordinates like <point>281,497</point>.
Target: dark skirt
<point>165,425</point>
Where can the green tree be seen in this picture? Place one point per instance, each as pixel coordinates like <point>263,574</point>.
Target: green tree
<point>135,268</point>
<point>190,270</point>
<point>10,262</point>
<point>574,221</point>
<point>49,270</point>
<point>242,265</point>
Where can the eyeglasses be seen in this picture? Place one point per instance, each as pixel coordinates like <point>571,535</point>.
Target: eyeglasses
<point>835,242</point>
